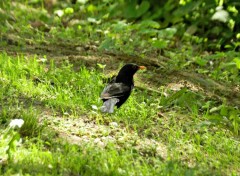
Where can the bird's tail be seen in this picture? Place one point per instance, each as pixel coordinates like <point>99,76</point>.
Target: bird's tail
<point>108,106</point>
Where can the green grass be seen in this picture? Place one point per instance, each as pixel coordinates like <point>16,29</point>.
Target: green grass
<point>154,133</point>
<point>190,142</point>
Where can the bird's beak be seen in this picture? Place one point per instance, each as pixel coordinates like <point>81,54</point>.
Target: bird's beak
<point>142,67</point>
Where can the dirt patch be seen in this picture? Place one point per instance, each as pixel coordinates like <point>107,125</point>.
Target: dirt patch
<point>77,131</point>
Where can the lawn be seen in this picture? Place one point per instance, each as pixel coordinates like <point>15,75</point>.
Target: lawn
<point>64,133</point>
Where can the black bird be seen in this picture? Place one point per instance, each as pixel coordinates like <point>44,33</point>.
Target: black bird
<point>119,88</point>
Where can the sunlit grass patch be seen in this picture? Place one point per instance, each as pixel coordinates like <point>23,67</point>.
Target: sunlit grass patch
<point>58,87</point>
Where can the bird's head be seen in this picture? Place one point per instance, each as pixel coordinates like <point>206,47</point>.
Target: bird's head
<point>128,70</point>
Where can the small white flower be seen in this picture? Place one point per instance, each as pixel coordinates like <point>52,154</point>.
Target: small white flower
<point>220,15</point>
<point>16,122</point>
<point>94,107</point>
<point>59,13</point>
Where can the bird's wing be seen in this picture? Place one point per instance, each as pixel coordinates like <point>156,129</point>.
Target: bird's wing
<point>115,90</point>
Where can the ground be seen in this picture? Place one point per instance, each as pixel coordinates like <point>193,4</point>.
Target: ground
<point>173,132</point>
